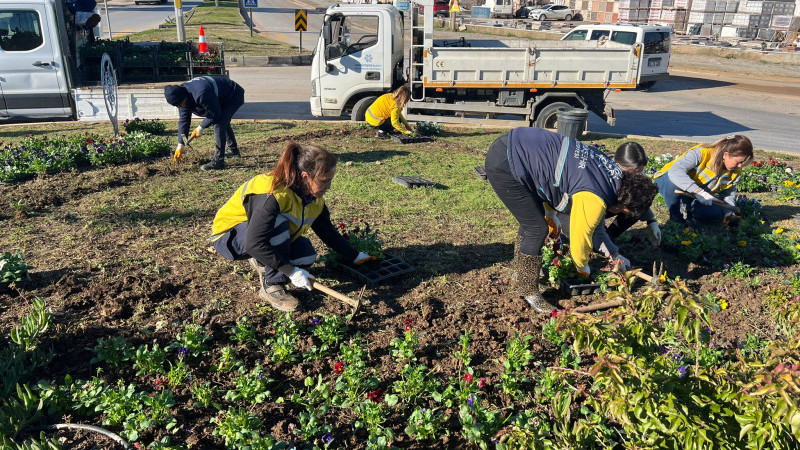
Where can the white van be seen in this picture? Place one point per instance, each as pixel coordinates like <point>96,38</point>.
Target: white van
<point>656,40</point>
<point>500,8</point>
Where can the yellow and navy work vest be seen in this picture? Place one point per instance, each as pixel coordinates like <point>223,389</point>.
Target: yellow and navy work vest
<point>291,206</point>
<point>381,109</point>
<point>703,174</point>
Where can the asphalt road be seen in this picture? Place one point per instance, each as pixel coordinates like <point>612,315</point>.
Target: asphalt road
<point>127,17</point>
<point>275,19</point>
<point>686,107</point>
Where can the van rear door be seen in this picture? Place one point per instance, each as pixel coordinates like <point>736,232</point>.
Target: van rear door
<point>655,61</point>
<point>32,78</point>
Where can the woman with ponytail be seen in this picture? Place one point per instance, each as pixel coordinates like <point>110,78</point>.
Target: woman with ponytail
<point>267,217</point>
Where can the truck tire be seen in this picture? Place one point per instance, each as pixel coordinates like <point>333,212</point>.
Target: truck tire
<point>548,117</point>
<point>360,108</point>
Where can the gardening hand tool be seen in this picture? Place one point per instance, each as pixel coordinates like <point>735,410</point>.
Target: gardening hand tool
<point>654,233</point>
<point>356,304</point>
<point>655,279</point>
<point>178,153</point>
<point>362,258</point>
<point>300,278</point>
<point>196,133</point>
<point>553,224</point>
<point>584,271</point>
<point>716,201</point>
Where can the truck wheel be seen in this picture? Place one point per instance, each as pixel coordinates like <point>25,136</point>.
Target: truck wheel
<point>548,116</point>
<point>360,108</point>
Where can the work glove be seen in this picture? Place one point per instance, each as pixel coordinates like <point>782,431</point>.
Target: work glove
<point>196,133</point>
<point>553,224</point>
<point>705,198</point>
<point>178,153</point>
<point>654,233</point>
<point>584,271</point>
<point>624,263</point>
<point>362,258</point>
<point>300,278</point>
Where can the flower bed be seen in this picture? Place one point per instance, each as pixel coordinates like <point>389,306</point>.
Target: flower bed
<point>49,155</point>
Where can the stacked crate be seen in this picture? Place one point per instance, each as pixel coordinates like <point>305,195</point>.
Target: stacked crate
<point>634,11</point>
<point>668,12</point>
<point>762,19</point>
<point>712,15</point>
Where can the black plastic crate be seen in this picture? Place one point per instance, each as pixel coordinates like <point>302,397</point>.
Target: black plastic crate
<point>480,172</point>
<point>412,182</point>
<point>387,267</point>
<point>403,139</point>
<point>580,287</point>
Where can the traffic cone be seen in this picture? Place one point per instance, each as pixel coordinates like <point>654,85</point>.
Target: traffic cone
<point>202,47</point>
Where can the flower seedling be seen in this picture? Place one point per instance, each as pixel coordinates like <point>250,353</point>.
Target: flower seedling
<point>148,361</point>
<point>249,386</point>
<point>243,333</point>
<point>284,342</point>
<point>115,351</point>
<point>12,268</point>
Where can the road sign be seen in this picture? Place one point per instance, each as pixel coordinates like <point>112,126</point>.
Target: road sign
<point>454,6</point>
<point>251,3</point>
<point>403,6</point>
<point>300,20</point>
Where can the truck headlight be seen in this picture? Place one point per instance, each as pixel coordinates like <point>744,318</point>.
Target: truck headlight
<point>314,88</point>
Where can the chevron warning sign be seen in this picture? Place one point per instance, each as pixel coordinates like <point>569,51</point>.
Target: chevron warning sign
<point>300,20</point>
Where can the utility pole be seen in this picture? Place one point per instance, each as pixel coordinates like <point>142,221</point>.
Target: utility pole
<point>179,21</point>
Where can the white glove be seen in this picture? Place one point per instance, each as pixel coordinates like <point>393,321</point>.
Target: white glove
<point>196,133</point>
<point>654,233</point>
<point>624,263</point>
<point>300,278</point>
<point>362,258</point>
<point>584,271</point>
<point>553,224</point>
<point>705,198</point>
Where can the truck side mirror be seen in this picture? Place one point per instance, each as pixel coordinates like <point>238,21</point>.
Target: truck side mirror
<point>326,33</point>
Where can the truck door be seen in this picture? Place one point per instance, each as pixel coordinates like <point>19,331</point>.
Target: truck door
<point>31,80</point>
<point>354,59</point>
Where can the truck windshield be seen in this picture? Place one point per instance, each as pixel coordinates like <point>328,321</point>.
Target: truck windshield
<point>351,34</point>
<point>20,31</point>
<point>656,42</point>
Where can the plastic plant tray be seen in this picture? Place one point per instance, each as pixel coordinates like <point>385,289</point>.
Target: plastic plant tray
<point>372,272</point>
<point>412,182</point>
<point>480,172</point>
<point>409,139</point>
<point>574,287</point>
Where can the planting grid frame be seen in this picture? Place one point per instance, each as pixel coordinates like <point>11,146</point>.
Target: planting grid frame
<point>387,267</point>
<point>410,140</point>
<point>412,182</point>
<point>574,288</point>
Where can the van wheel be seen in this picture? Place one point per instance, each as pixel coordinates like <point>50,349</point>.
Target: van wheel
<point>568,17</point>
<point>542,18</point>
<point>548,116</point>
<point>361,107</point>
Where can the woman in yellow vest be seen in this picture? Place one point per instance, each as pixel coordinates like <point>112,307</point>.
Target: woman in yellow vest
<point>389,106</point>
<point>267,217</point>
<point>710,172</point>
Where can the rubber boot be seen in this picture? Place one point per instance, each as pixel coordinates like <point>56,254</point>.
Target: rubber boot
<point>527,269</point>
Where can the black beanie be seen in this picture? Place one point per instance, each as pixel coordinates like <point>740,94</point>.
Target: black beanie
<point>175,94</point>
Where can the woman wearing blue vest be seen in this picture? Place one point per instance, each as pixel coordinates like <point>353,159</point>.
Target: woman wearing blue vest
<point>710,172</point>
<point>531,167</point>
<point>267,217</point>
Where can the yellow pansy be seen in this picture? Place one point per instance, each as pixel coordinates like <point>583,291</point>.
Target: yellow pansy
<point>723,304</point>
<point>778,230</point>
<point>694,235</point>
<point>742,243</point>
<point>788,183</point>
<point>664,275</point>
<point>686,242</point>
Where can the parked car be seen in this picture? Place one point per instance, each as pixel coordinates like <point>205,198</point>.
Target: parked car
<point>441,8</point>
<point>552,12</point>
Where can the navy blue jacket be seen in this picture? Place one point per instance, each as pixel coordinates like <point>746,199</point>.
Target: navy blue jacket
<point>533,155</point>
<point>207,96</point>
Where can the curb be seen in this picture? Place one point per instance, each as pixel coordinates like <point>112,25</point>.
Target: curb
<point>240,60</point>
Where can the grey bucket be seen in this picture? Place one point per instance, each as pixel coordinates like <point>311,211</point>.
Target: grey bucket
<point>572,121</point>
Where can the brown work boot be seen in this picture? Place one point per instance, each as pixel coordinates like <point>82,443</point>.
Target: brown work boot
<point>278,298</point>
<point>527,268</point>
<point>259,269</point>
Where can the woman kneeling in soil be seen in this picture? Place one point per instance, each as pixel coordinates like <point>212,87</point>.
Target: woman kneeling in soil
<point>630,157</point>
<point>529,167</point>
<point>710,172</point>
<point>267,217</point>
<point>389,106</point>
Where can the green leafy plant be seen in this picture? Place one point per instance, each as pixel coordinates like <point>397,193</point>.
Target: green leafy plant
<point>192,340</point>
<point>518,356</point>
<point>426,423</point>
<point>152,126</point>
<point>329,330</point>
<point>12,268</point>
<point>115,351</point>
<point>243,333</point>
<point>283,342</point>
<point>204,394</point>
<point>148,361</point>
<point>426,128</point>
<point>249,386</point>
<point>363,239</point>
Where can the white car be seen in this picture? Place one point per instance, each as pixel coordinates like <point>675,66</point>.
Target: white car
<point>552,12</point>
